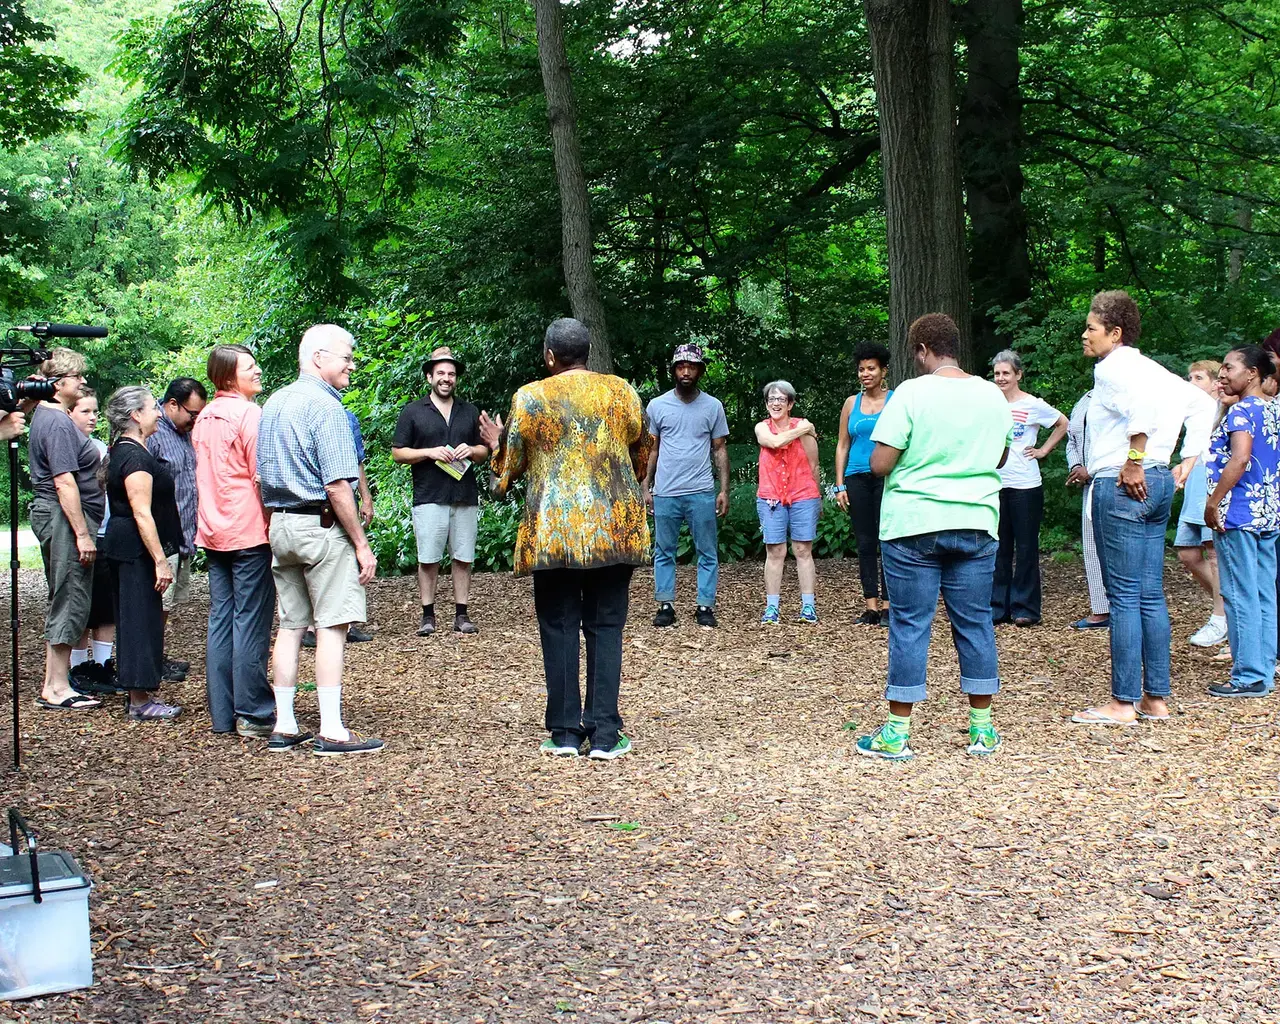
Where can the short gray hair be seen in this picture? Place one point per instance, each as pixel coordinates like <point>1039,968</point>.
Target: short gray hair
<point>780,385</point>
<point>321,336</point>
<point>121,406</point>
<point>1008,356</point>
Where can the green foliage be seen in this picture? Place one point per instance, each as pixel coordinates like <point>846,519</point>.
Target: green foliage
<point>36,86</point>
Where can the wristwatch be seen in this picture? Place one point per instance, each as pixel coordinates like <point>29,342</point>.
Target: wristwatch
<point>839,488</point>
<point>1136,456</point>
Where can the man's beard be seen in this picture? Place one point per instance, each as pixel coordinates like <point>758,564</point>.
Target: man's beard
<point>686,389</point>
<point>448,393</point>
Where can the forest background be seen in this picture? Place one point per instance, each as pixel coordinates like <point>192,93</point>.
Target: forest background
<point>235,170</point>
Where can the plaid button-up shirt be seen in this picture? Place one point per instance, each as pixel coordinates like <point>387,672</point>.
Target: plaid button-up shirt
<point>304,442</point>
<point>175,450</point>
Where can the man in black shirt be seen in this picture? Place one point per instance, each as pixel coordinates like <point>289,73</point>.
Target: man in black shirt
<point>440,438</point>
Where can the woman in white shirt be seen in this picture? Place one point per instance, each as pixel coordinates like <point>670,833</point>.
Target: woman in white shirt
<point>1015,593</point>
<point>1137,412</point>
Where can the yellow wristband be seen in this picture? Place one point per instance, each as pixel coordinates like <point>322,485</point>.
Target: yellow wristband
<point>1136,456</point>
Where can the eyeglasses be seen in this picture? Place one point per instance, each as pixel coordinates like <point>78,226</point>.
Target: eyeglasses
<point>189,412</point>
<point>347,360</point>
<point>776,400</point>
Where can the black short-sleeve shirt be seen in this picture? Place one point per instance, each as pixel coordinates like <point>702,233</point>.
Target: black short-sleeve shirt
<point>123,542</point>
<point>421,426</point>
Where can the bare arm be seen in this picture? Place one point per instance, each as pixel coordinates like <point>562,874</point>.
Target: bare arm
<point>69,499</point>
<point>768,439</point>
<point>720,455</point>
<point>409,456</point>
<point>843,445</point>
<point>137,486</point>
<point>884,458</point>
<point>1056,436</point>
<point>343,503</point>
<point>810,445</point>
<point>1241,452</point>
<point>650,472</point>
<point>366,498</point>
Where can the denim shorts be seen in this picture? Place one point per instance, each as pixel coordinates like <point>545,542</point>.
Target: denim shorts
<point>798,521</point>
<point>1191,535</point>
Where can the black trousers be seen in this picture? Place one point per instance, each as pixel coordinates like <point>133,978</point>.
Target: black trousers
<point>592,602</point>
<point>139,623</point>
<point>1015,593</point>
<point>865,491</point>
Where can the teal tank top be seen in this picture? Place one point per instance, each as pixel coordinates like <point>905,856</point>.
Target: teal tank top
<point>860,445</point>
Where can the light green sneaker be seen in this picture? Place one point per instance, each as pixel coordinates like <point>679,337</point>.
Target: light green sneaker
<point>623,746</point>
<point>983,741</point>
<point>877,745</point>
<point>554,749</point>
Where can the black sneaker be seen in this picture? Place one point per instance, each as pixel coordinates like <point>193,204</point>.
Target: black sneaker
<point>309,638</point>
<point>173,672</point>
<point>706,616</point>
<point>281,742</point>
<point>181,666</point>
<point>356,635</point>
<point>428,625</point>
<point>666,614</point>
<point>868,618</point>
<point>356,744</point>
<point>462,624</point>
<point>87,678</point>
<point>1235,690</point>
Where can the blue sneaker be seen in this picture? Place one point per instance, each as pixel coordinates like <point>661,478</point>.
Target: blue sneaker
<point>808,614</point>
<point>771,617</point>
<point>877,745</point>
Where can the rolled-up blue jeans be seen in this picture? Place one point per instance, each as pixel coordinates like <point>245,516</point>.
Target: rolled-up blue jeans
<point>699,511</point>
<point>1130,542</point>
<point>1246,571</point>
<point>960,564</point>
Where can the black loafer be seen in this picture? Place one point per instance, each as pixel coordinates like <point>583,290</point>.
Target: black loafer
<point>356,635</point>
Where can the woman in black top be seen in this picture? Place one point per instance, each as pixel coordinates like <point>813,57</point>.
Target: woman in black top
<point>143,531</point>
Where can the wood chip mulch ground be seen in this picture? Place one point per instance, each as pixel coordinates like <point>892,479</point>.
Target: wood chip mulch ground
<point>743,865</point>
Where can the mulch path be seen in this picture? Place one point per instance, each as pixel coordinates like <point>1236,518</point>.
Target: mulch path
<point>742,865</point>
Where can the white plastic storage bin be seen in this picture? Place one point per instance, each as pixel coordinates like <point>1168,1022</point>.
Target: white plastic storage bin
<point>44,946</point>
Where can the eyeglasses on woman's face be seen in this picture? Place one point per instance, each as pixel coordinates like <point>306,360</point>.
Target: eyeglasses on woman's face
<point>777,400</point>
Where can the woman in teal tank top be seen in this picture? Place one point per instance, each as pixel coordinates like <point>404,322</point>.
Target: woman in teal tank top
<point>860,491</point>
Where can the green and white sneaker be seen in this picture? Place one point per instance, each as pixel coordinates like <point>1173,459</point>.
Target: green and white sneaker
<point>623,746</point>
<point>554,749</point>
<point>983,741</point>
<point>887,748</point>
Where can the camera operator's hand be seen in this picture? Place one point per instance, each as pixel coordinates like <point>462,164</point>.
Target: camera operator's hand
<point>11,425</point>
<point>86,548</point>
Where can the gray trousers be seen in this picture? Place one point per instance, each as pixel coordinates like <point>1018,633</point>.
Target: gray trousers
<point>1098,604</point>
<point>242,600</point>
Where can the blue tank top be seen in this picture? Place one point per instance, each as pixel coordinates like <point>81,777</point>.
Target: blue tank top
<point>860,445</point>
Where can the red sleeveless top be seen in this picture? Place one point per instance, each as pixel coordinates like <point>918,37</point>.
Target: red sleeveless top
<point>785,476</point>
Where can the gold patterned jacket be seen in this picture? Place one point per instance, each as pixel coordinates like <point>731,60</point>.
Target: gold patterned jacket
<point>580,442</point>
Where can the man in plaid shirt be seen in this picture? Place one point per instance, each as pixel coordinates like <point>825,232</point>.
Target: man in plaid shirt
<point>171,443</point>
<point>321,559</point>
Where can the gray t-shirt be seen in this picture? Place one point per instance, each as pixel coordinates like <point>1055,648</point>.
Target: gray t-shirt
<point>684,431</point>
<point>56,446</point>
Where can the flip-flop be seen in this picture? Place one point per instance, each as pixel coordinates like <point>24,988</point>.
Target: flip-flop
<point>1142,715</point>
<point>1092,716</point>
<point>76,702</point>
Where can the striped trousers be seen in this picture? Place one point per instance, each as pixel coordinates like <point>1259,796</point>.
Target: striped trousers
<point>1092,569</point>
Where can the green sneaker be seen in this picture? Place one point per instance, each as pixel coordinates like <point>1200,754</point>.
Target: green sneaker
<point>983,740</point>
<point>876,745</point>
<point>623,746</point>
<point>554,749</point>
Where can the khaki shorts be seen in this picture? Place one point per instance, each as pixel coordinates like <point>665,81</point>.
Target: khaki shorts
<point>316,573</point>
<point>179,591</point>
<point>433,525</point>
<point>70,583</point>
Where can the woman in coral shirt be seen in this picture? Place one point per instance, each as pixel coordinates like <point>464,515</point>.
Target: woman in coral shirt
<point>232,528</point>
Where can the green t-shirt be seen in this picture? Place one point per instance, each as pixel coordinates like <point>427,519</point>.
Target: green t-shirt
<point>952,432</point>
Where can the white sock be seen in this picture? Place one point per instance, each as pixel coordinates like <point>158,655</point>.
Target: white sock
<point>1218,620</point>
<point>285,722</point>
<point>331,727</point>
<point>79,655</point>
<point>102,651</point>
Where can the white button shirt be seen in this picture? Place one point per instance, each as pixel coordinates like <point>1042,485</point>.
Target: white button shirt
<point>1136,395</point>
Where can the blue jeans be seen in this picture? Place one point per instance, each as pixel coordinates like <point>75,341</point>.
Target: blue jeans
<point>960,563</point>
<point>1246,569</point>
<point>699,511</point>
<point>1130,541</point>
<point>242,601</point>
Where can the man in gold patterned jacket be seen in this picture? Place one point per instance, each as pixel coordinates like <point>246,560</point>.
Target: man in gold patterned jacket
<point>579,440</point>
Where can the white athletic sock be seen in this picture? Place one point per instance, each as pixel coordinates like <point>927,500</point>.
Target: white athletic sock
<point>331,727</point>
<point>79,655</point>
<point>285,722</point>
<point>102,651</point>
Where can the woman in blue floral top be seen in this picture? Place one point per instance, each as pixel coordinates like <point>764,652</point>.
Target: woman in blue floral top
<point>1244,509</point>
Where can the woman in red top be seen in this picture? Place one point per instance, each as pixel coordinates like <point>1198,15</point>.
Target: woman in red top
<point>787,500</point>
<point>231,526</point>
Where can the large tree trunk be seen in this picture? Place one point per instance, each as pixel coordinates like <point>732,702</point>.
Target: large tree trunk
<point>912,58</point>
<point>575,205</point>
<point>990,141</point>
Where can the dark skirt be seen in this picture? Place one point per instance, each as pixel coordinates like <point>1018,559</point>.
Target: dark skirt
<point>102,607</point>
<point>139,623</point>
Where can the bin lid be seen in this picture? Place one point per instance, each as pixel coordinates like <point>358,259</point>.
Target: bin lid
<point>58,871</point>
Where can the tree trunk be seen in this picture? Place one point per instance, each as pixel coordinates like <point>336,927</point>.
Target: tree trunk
<point>1235,264</point>
<point>575,204</point>
<point>990,145</point>
<point>913,62</point>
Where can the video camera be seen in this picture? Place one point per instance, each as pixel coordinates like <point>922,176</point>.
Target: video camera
<point>14,391</point>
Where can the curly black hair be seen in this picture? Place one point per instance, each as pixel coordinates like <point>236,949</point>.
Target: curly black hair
<point>871,350</point>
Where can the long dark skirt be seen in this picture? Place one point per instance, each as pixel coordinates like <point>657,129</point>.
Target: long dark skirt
<point>139,623</point>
